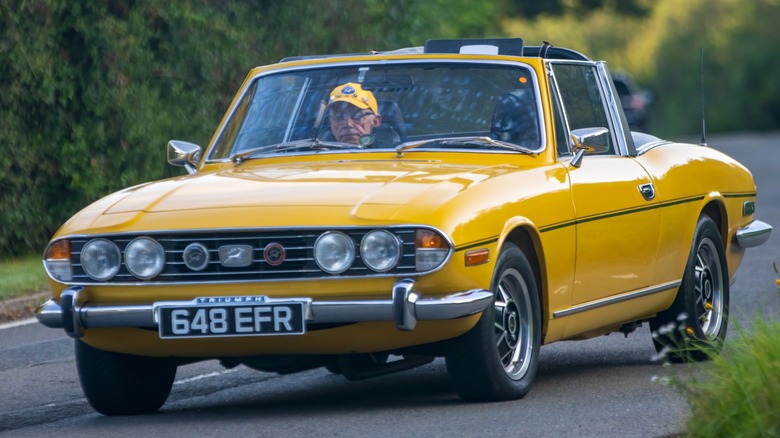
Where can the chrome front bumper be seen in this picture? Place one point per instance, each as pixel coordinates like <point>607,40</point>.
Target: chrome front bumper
<point>754,234</point>
<point>74,313</point>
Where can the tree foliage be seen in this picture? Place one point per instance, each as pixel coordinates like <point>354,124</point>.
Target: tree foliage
<point>90,91</point>
<point>533,9</point>
<point>662,49</point>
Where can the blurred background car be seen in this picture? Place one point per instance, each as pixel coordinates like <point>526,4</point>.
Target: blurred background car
<point>635,101</point>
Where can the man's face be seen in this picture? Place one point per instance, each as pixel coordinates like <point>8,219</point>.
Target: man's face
<point>349,122</point>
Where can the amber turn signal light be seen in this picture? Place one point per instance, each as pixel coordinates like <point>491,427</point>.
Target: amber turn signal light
<point>477,257</point>
<point>427,239</point>
<point>59,250</point>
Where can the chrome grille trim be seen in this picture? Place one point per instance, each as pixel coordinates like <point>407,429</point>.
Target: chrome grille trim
<point>299,264</point>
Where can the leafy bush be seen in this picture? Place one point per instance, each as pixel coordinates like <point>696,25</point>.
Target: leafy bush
<point>737,395</point>
<point>90,91</point>
<point>662,50</point>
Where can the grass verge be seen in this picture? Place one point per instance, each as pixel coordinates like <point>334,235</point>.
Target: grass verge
<point>22,277</point>
<point>737,394</point>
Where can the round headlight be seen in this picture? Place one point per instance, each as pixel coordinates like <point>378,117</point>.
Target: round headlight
<point>334,252</point>
<point>100,259</point>
<point>144,258</point>
<point>380,250</point>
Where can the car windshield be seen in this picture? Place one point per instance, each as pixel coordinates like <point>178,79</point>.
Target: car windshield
<point>418,103</point>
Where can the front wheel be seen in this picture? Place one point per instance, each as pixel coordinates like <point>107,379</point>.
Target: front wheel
<point>121,384</point>
<point>694,328</point>
<point>497,359</point>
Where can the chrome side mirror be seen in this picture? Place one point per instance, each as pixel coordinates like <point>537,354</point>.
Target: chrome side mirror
<point>184,154</point>
<point>588,141</point>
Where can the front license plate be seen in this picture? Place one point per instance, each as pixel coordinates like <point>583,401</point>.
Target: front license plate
<point>209,321</point>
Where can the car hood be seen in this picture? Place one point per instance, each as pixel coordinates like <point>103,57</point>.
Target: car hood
<point>363,189</point>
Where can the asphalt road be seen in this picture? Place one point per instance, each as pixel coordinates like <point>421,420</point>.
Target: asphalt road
<point>605,387</point>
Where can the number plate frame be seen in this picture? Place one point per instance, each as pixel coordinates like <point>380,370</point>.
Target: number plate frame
<point>230,317</point>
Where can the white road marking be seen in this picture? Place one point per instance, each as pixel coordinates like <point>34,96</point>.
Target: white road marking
<point>205,376</point>
<point>29,321</point>
<point>20,323</point>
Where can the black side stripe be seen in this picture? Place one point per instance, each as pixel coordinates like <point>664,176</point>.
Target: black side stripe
<point>609,215</point>
<point>740,195</point>
<point>476,244</point>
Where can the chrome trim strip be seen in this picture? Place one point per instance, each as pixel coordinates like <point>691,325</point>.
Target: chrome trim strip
<point>754,234</point>
<point>314,230</point>
<point>616,299</point>
<point>648,146</point>
<point>612,102</point>
<point>412,308</point>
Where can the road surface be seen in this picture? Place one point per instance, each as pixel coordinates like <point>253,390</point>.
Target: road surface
<point>605,387</point>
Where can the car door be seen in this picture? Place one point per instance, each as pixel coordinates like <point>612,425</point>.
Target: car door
<point>616,219</point>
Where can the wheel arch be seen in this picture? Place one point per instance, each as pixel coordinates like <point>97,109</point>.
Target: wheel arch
<point>715,209</point>
<point>525,237</point>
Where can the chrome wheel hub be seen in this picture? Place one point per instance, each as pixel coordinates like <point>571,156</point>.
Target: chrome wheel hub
<point>708,289</point>
<point>513,324</point>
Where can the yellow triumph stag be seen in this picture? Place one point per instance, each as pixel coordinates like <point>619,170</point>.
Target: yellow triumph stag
<point>471,199</point>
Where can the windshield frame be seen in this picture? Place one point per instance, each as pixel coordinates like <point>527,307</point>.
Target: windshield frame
<point>383,62</point>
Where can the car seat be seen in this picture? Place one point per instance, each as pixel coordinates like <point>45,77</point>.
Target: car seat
<point>515,119</point>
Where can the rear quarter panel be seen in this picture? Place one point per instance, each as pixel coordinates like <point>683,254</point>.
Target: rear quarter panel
<point>691,179</point>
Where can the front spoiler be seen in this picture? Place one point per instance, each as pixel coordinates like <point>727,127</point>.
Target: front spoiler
<point>74,314</point>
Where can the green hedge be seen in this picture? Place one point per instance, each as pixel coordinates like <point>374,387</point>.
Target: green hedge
<point>662,50</point>
<point>736,395</point>
<point>90,91</point>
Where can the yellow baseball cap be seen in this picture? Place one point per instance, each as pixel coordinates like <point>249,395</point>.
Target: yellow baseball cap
<point>353,93</point>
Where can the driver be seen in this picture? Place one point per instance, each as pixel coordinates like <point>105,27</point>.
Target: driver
<point>353,114</point>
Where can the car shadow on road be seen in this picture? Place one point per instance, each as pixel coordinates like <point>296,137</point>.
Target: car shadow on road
<point>427,387</point>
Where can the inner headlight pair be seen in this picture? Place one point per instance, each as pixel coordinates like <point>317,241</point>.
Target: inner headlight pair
<point>334,251</point>
<point>101,258</point>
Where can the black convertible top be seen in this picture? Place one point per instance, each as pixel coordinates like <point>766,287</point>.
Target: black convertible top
<point>504,46</point>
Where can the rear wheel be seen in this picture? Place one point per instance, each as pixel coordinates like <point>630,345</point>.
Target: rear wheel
<point>694,328</point>
<point>497,359</point>
<point>121,384</point>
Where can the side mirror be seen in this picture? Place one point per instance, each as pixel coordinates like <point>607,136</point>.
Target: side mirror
<point>184,154</point>
<point>588,141</point>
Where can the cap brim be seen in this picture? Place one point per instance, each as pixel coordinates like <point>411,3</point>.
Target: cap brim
<point>351,100</point>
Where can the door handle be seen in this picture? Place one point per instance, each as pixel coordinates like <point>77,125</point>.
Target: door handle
<point>647,191</point>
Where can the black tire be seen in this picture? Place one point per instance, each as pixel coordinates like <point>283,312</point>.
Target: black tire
<point>497,359</point>
<point>694,328</point>
<point>121,384</point>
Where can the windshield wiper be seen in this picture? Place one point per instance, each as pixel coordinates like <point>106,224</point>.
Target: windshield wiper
<point>309,143</point>
<point>472,140</point>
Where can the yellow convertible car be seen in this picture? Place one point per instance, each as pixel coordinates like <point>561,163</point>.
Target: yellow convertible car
<point>469,199</point>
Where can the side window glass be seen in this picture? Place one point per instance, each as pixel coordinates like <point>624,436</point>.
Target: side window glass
<point>561,134</point>
<point>581,97</point>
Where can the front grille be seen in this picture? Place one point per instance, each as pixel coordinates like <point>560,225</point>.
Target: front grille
<point>298,263</point>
